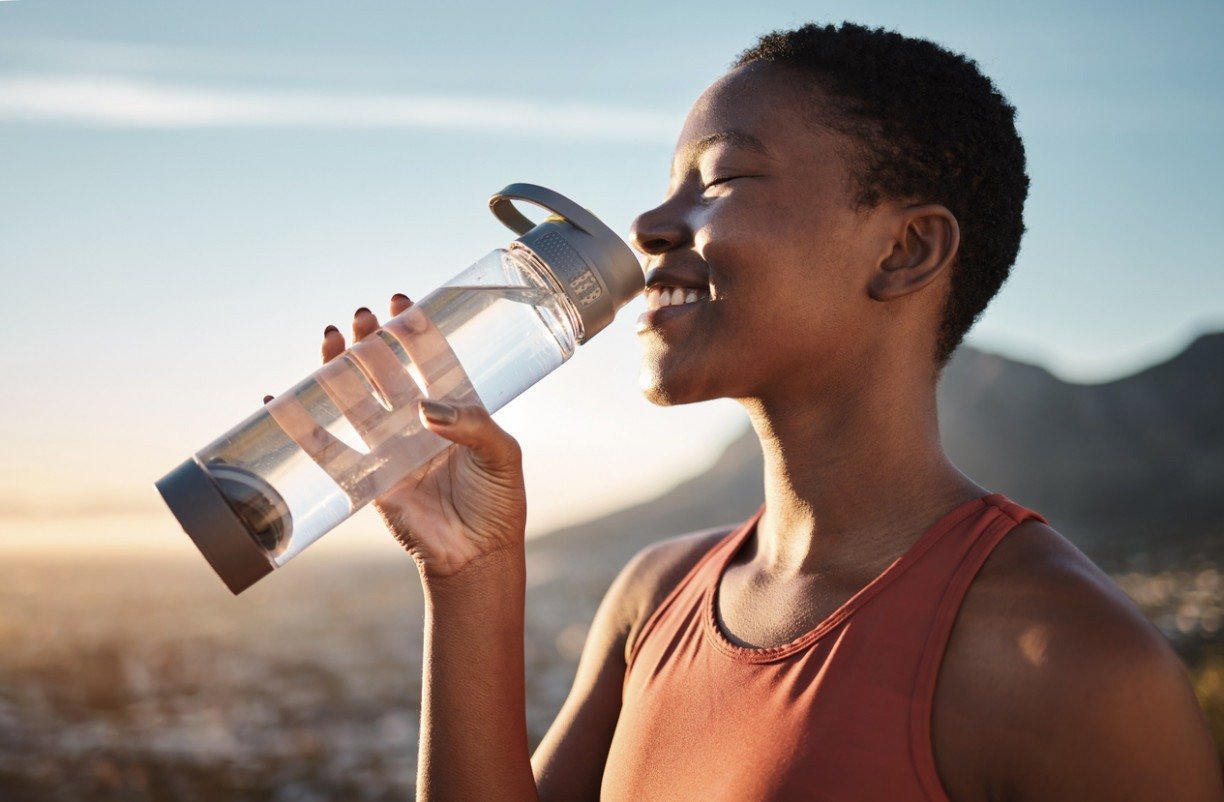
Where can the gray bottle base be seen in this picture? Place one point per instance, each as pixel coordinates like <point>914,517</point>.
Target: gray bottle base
<point>213,526</point>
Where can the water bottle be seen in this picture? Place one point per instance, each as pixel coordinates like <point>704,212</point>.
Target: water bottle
<point>314,455</point>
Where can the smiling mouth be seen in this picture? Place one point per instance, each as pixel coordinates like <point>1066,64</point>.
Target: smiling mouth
<point>660,296</point>
<point>665,303</point>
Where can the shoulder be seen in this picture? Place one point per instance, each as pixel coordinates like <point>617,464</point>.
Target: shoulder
<point>652,573</point>
<point>1053,608</point>
<point>1073,689</point>
<point>1042,595</point>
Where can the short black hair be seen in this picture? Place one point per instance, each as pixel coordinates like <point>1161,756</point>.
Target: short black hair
<point>932,129</point>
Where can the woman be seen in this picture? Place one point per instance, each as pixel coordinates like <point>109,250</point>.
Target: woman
<point>843,204</point>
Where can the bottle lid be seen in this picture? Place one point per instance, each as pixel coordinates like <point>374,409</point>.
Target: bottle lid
<point>592,264</point>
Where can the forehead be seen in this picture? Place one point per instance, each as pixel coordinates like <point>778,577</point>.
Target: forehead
<point>757,109</point>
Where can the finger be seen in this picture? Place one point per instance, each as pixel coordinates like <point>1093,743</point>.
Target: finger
<point>472,426</point>
<point>364,324</point>
<point>333,343</point>
<point>399,303</point>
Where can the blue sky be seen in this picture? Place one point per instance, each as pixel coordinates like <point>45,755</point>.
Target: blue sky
<point>190,192</point>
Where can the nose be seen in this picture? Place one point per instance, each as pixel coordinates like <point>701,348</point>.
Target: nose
<point>659,230</point>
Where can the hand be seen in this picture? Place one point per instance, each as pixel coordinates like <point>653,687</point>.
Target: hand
<point>470,503</point>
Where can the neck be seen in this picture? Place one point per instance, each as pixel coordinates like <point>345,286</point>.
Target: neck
<point>853,479</point>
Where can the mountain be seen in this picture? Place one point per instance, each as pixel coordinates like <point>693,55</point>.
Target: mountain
<point>1132,466</point>
<point>1132,470</point>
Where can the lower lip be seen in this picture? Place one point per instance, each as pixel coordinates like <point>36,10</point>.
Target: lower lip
<point>655,318</point>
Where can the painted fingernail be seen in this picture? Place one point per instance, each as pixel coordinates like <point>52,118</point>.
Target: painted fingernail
<point>439,413</point>
<point>329,330</point>
<point>267,398</point>
<point>399,296</point>
<point>362,309</point>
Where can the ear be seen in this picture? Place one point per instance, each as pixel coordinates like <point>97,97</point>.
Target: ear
<point>925,243</point>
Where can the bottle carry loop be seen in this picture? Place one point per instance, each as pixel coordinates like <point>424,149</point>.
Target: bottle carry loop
<point>503,208</point>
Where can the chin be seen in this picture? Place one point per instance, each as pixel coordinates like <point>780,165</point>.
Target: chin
<point>664,390</point>
<point>658,397</point>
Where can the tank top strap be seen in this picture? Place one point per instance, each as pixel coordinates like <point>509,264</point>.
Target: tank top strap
<point>690,589</point>
<point>978,549</point>
<point>1013,510</point>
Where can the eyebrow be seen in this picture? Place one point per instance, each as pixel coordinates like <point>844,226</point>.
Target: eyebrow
<point>734,137</point>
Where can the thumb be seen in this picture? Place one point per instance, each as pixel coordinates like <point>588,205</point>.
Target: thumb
<point>472,426</point>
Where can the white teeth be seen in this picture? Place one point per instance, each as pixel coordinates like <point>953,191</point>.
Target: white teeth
<point>657,297</point>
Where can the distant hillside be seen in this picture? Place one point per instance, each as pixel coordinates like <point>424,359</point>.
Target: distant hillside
<point>1130,469</point>
<point>1130,466</point>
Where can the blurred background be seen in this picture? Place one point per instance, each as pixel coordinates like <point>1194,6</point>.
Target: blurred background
<point>189,193</point>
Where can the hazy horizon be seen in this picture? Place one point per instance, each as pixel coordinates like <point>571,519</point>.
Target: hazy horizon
<point>109,531</point>
<point>188,201</point>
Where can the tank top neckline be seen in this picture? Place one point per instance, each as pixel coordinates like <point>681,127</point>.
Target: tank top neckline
<point>735,541</point>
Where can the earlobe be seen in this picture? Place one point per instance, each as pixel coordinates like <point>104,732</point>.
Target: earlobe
<point>925,245</point>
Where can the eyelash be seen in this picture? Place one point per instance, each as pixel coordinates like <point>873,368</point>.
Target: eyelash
<point>718,181</point>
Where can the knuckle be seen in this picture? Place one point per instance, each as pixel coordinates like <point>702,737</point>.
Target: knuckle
<point>475,413</point>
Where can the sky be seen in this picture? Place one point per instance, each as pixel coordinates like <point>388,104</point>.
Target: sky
<point>189,193</point>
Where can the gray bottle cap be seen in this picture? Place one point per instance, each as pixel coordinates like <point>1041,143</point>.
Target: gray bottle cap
<point>597,270</point>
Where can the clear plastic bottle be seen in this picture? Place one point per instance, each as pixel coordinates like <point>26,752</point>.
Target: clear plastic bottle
<point>310,458</point>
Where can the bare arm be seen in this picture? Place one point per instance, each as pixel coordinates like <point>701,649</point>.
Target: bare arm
<point>1055,688</point>
<point>1121,716</point>
<point>1135,732</point>
<point>473,709</point>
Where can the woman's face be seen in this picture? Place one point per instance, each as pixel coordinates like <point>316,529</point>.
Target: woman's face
<point>758,226</point>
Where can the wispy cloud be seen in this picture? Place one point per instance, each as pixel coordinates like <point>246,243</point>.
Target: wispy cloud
<point>117,102</point>
<point>88,56</point>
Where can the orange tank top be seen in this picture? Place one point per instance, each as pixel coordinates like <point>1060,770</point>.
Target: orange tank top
<point>843,712</point>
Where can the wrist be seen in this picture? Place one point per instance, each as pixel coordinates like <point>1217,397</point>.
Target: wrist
<point>502,568</point>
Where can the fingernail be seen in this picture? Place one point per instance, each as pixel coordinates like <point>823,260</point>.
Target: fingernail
<point>362,309</point>
<point>329,330</point>
<point>267,398</point>
<point>400,295</point>
<point>437,412</point>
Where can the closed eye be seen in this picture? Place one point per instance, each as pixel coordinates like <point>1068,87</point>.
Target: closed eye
<point>718,181</point>
<point>724,180</point>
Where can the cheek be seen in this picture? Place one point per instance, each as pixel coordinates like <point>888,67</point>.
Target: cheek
<point>738,258</point>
